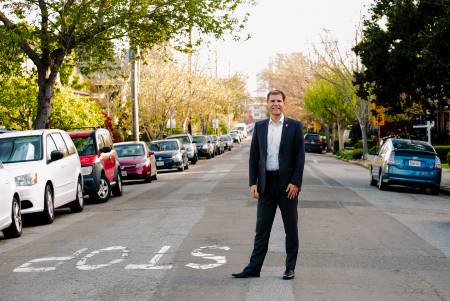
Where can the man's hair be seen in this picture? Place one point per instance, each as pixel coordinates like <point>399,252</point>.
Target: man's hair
<point>276,92</point>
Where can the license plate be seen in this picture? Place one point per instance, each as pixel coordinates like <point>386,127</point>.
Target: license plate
<point>159,163</point>
<point>123,173</point>
<point>414,163</point>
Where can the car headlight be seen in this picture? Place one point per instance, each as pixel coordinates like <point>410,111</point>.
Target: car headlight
<point>86,170</point>
<point>176,157</point>
<point>26,180</point>
<point>141,164</point>
<point>205,146</point>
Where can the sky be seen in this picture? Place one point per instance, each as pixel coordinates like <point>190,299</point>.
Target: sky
<point>285,26</point>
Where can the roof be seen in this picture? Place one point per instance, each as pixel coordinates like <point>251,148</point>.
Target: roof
<point>129,142</point>
<point>28,133</point>
<point>81,133</point>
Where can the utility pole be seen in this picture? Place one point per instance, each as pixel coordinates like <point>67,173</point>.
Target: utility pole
<point>134,57</point>
<point>190,81</point>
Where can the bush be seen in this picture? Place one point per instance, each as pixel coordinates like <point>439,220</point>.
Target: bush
<point>370,144</point>
<point>374,150</point>
<point>346,154</point>
<point>442,151</point>
<point>448,157</point>
<point>357,153</point>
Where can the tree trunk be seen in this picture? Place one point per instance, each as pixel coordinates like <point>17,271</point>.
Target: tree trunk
<point>340,133</point>
<point>46,90</point>
<point>327,134</point>
<point>364,140</point>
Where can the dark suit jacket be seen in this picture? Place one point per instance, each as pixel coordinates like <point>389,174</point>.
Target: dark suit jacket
<point>291,156</point>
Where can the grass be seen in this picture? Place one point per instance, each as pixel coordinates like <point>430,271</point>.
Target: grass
<point>445,165</point>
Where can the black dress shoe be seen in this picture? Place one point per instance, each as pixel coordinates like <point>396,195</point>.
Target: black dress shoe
<point>245,274</point>
<point>288,275</point>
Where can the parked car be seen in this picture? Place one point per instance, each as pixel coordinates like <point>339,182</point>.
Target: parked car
<point>137,162</point>
<point>189,145</point>
<point>99,164</point>
<point>227,141</point>
<point>219,147</point>
<point>239,133</point>
<point>10,216</point>
<point>169,154</point>
<point>46,168</point>
<point>313,143</point>
<point>235,136</point>
<point>406,162</point>
<point>204,146</point>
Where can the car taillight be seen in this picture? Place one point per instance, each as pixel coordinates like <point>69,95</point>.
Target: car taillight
<point>391,160</point>
<point>437,163</point>
<point>306,141</point>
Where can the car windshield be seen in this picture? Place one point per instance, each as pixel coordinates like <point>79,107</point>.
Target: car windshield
<point>214,139</point>
<point>161,146</point>
<point>224,138</point>
<point>312,137</point>
<point>130,150</point>
<point>21,149</point>
<point>183,139</point>
<point>85,145</point>
<point>199,139</point>
<point>411,145</point>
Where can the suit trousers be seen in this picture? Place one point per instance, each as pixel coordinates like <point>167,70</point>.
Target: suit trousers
<point>274,196</point>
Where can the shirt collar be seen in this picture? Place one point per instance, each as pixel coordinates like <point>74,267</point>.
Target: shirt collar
<point>281,121</point>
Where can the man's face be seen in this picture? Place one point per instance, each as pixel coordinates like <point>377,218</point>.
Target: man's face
<point>275,104</point>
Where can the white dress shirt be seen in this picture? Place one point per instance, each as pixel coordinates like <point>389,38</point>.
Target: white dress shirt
<point>273,143</point>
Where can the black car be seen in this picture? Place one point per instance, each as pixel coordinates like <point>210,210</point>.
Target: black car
<point>313,143</point>
<point>204,146</point>
<point>170,153</point>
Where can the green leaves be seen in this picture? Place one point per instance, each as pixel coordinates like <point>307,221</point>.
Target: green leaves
<point>405,52</point>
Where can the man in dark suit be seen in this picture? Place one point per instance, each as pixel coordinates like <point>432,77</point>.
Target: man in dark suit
<point>277,157</point>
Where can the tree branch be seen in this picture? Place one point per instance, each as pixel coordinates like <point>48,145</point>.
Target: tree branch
<point>24,45</point>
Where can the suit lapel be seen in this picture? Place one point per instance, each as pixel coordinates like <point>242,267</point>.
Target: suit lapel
<point>264,137</point>
<point>284,133</point>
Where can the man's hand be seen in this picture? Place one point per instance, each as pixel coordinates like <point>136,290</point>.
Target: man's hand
<point>254,191</point>
<point>292,191</point>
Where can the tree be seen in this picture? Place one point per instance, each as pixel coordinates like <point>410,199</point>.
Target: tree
<point>289,73</point>
<point>48,31</point>
<point>339,69</point>
<point>327,104</point>
<point>405,51</point>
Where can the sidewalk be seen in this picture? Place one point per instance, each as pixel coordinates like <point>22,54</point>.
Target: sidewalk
<point>445,181</point>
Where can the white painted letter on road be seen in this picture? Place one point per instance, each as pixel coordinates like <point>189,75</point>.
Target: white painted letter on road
<point>152,265</point>
<point>220,260</point>
<point>26,267</point>
<point>81,265</point>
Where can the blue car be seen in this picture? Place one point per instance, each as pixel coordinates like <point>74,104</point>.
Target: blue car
<point>408,163</point>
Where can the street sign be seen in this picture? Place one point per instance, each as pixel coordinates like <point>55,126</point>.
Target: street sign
<point>377,114</point>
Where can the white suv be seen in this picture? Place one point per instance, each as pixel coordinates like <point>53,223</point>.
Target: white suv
<point>10,217</point>
<point>46,168</point>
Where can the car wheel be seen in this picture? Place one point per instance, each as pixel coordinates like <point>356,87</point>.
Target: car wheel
<point>104,190</point>
<point>48,216</point>
<point>381,185</point>
<point>78,204</point>
<point>15,229</point>
<point>194,160</point>
<point>155,177</point>
<point>117,189</point>
<point>181,168</point>
<point>373,182</point>
<point>148,179</point>
<point>434,190</point>
<point>208,156</point>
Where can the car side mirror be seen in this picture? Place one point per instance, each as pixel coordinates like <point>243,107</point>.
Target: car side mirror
<point>105,149</point>
<point>56,155</point>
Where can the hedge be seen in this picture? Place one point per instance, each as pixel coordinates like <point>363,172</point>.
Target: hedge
<point>442,152</point>
<point>448,157</point>
<point>357,153</point>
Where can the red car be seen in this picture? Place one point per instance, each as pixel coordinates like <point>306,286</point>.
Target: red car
<point>137,162</point>
<point>99,164</point>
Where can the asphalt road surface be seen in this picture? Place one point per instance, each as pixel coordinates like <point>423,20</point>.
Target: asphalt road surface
<point>180,238</point>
